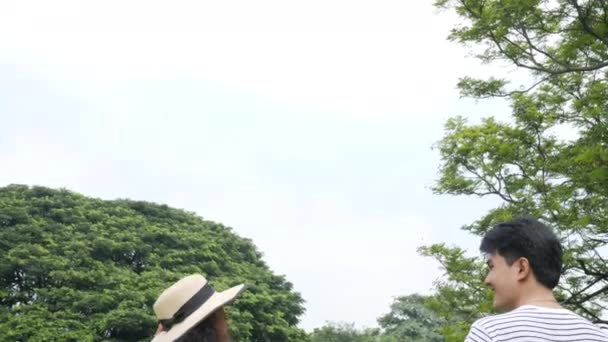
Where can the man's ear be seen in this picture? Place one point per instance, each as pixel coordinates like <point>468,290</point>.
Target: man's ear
<point>523,268</point>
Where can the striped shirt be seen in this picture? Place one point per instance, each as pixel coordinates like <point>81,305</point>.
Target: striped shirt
<point>533,323</point>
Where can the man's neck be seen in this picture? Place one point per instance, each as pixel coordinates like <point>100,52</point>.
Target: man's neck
<point>538,296</point>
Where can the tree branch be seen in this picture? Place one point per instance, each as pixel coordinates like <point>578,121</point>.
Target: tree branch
<point>524,33</point>
<point>583,17</point>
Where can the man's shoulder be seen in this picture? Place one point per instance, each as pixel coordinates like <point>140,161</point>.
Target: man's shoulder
<point>478,333</point>
<point>489,320</point>
<point>528,312</point>
<point>537,320</point>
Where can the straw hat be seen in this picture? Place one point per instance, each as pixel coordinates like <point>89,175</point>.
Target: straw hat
<point>186,303</point>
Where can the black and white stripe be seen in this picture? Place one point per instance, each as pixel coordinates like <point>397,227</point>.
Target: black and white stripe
<point>536,324</point>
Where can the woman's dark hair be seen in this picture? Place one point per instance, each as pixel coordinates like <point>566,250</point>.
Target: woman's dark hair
<point>530,239</point>
<point>202,332</point>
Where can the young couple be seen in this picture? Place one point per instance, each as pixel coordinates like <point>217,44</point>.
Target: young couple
<point>524,258</point>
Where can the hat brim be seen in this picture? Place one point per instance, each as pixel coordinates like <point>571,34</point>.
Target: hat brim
<point>216,301</point>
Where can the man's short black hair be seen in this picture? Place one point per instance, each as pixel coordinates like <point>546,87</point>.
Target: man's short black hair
<point>530,239</point>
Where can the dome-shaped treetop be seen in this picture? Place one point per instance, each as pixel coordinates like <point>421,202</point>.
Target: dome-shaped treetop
<point>74,268</point>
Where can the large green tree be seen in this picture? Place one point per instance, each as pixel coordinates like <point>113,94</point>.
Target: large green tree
<point>74,268</point>
<point>528,162</point>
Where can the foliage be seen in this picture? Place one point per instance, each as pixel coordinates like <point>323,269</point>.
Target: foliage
<point>73,268</point>
<point>409,319</point>
<point>529,163</point>
<point>344,332</point>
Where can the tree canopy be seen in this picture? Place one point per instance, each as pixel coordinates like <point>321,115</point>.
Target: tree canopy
<point>74,268</point>
<point>409,319</point>
<point>527,162</point>
<point>345,332</point>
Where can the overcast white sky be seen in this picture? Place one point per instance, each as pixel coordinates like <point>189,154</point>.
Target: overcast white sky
<point>305,126</point>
